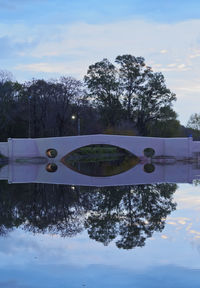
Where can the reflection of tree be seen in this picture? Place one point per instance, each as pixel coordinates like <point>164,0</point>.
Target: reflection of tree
<point>133,215</point>
<point>54,209</point>
<point>41,208</point>
<point>129,214</point>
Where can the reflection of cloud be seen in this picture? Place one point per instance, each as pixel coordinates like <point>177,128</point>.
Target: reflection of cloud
<point>182,222</point>
<point>192,202</point>
<point>163,51</point>
<point>171,223</point>
<point>194,56</point>
<point>164,236</point>
<point>99,276</point>
<point>194,232</point>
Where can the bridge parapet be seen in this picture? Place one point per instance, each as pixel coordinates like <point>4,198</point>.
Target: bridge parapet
<point>179,148</point>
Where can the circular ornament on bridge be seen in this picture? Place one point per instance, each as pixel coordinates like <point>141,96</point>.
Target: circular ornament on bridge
<point>149,152</point>
<point>51,153</point>
<point>51,167</point>
<point>149,168</point>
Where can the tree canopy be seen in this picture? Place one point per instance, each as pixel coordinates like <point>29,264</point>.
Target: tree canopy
<point>194,121</point>
<point>132,89</point>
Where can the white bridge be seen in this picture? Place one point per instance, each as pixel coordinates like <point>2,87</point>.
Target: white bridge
<point>180,148</point>
<point>20,170</point>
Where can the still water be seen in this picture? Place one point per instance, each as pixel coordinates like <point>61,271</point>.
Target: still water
<point>145,235</point>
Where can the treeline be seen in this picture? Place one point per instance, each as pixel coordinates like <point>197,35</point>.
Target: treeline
<point>126,97</point>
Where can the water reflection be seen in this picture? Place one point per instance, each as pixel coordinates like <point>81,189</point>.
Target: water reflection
<point>100,160</point>
<point>58,173</point>
<point>127,215</point>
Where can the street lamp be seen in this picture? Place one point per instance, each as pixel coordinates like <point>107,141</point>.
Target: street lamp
<point>78,123</point>
<point>29,116</point>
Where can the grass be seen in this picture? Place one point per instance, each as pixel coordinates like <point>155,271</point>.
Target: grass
<point>97,149</point>
<point>97,153</point>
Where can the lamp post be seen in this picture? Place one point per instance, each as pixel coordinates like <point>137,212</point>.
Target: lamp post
<point>29,117</point>
<point>78,123</point>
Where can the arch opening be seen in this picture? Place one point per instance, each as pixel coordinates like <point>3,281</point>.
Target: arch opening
<point>100,160</point>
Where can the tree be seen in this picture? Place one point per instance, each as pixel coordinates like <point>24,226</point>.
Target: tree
<point>167,125</point>
<point>9,108</point>
<point>68,92</point>
<point>131,90</point>
<point>132,74</point>
<point>50,104</point>
<point>104,89</point>
<point>194,121</point>
<point>5,76</point>
<point>150,102</point>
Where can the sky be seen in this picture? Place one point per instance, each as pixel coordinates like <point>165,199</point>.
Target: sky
<point>48,38</point>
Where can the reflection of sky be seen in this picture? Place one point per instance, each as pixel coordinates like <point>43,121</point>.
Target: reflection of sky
<point>50,261</point>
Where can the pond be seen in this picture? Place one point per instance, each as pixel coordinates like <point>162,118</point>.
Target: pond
<point>124,235</point>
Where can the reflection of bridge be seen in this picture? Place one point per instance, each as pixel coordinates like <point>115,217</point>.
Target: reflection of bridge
<point>37,173</point>
<point>22,150</point>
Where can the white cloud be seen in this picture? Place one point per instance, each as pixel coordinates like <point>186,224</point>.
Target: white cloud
<point>62,68</point>
<point>173,49</point>
<point>163,51</point>
<point>54,69</point>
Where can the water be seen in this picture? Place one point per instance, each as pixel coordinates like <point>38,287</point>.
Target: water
<point>145,235</point>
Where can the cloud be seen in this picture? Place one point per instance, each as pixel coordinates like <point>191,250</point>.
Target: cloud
<point>172,49</point>
<point>94,42</point>
<point>171,67</point>
<point>71,69</point>
<point>163,51</point>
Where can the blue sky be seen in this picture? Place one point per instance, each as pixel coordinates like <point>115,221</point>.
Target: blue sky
<point>47,39</point>
<point>95,11</point>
